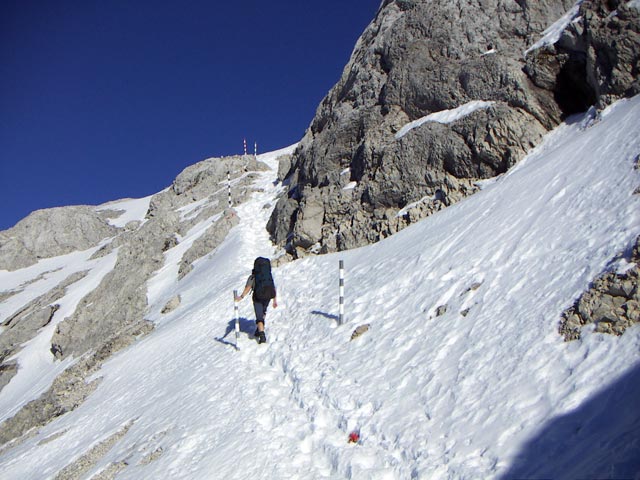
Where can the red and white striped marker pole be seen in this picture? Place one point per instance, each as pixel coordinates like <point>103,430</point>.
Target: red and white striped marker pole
<point>341,318</point>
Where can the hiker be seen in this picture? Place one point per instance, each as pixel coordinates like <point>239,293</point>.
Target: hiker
<point>264,289</point>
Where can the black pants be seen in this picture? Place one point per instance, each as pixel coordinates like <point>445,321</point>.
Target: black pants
<point>260,308</point>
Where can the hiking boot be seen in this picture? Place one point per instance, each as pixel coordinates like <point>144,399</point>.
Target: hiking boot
<point>256,333</point>
<point>262,338</point>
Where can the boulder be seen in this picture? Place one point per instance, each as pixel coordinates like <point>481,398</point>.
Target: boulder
<point>172,304</point>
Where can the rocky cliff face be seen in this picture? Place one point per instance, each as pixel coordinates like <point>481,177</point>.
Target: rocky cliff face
<point>357,176</point>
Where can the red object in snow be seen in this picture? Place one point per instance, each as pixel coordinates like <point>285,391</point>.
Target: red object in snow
<point>354,437</point>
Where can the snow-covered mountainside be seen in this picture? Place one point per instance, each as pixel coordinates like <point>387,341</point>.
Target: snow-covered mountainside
<point>461,374</point>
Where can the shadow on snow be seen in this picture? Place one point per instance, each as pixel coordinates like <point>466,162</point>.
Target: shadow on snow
<point>247,327</point>
<point>599,439</point>
<point>325,315</point>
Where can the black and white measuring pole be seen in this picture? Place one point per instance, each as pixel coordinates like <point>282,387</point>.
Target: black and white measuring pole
<point>341,318</point>
<point>235,316</point>
<point>229,185</point>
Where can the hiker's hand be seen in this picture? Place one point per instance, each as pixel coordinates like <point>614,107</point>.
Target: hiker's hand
<point>238,298</point>
<point>275,303</point>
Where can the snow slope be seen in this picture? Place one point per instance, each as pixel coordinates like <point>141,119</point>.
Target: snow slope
<point>487,389</point>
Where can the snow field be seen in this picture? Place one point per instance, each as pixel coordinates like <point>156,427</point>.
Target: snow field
<point>434,392</point>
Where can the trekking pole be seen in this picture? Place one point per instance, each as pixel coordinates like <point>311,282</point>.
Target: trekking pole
<point>341,319</point>
<point>235,316</point>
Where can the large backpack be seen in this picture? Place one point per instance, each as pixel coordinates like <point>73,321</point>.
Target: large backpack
<point>264,288</point>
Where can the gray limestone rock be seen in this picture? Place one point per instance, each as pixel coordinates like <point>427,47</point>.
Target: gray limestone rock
<point>23,325</point>
<point>69,389</point>
<point>612,303</point>
<point>52,232</point>
<point>595,61</point>
<point>198,194</point>
<point>172,304</point>
<point>352,174</point>
<point>79,467</point>
<point>360,330</point>
<point>284,167</point>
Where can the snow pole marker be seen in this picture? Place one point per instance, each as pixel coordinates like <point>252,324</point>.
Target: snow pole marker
<point>235,316</point>
<point>244,142</point>
<point>229,185</point>
<point>341,307</point>
<point>255,150</point>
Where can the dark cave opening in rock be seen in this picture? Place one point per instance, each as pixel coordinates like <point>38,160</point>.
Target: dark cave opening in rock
<point>573,93</point>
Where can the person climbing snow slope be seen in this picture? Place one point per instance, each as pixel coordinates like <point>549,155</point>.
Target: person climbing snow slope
<point>264,289</point>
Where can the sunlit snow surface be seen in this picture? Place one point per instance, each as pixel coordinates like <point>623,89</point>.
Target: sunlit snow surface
<point>490,393</point>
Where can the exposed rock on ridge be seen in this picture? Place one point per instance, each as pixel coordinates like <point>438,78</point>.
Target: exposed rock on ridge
<point>351,176</point>
<point>23,325</point>
<point>199,195</point>
<point>612,303</point>
<point>112,316</point>
<point>52,232</point>
<point>595,61</point>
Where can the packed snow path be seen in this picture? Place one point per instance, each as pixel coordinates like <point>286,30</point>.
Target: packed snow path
<point>453,392</point>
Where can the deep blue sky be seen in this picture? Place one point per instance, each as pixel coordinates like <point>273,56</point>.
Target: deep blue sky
<point>101,100</point>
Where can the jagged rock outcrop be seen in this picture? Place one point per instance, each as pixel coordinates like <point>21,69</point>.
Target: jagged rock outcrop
<point>23,325</point>
<point>52,232</point>
<point>612,302</point>
<point>120,300</point>
<point>356,177</point>
<point>596,59</point>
